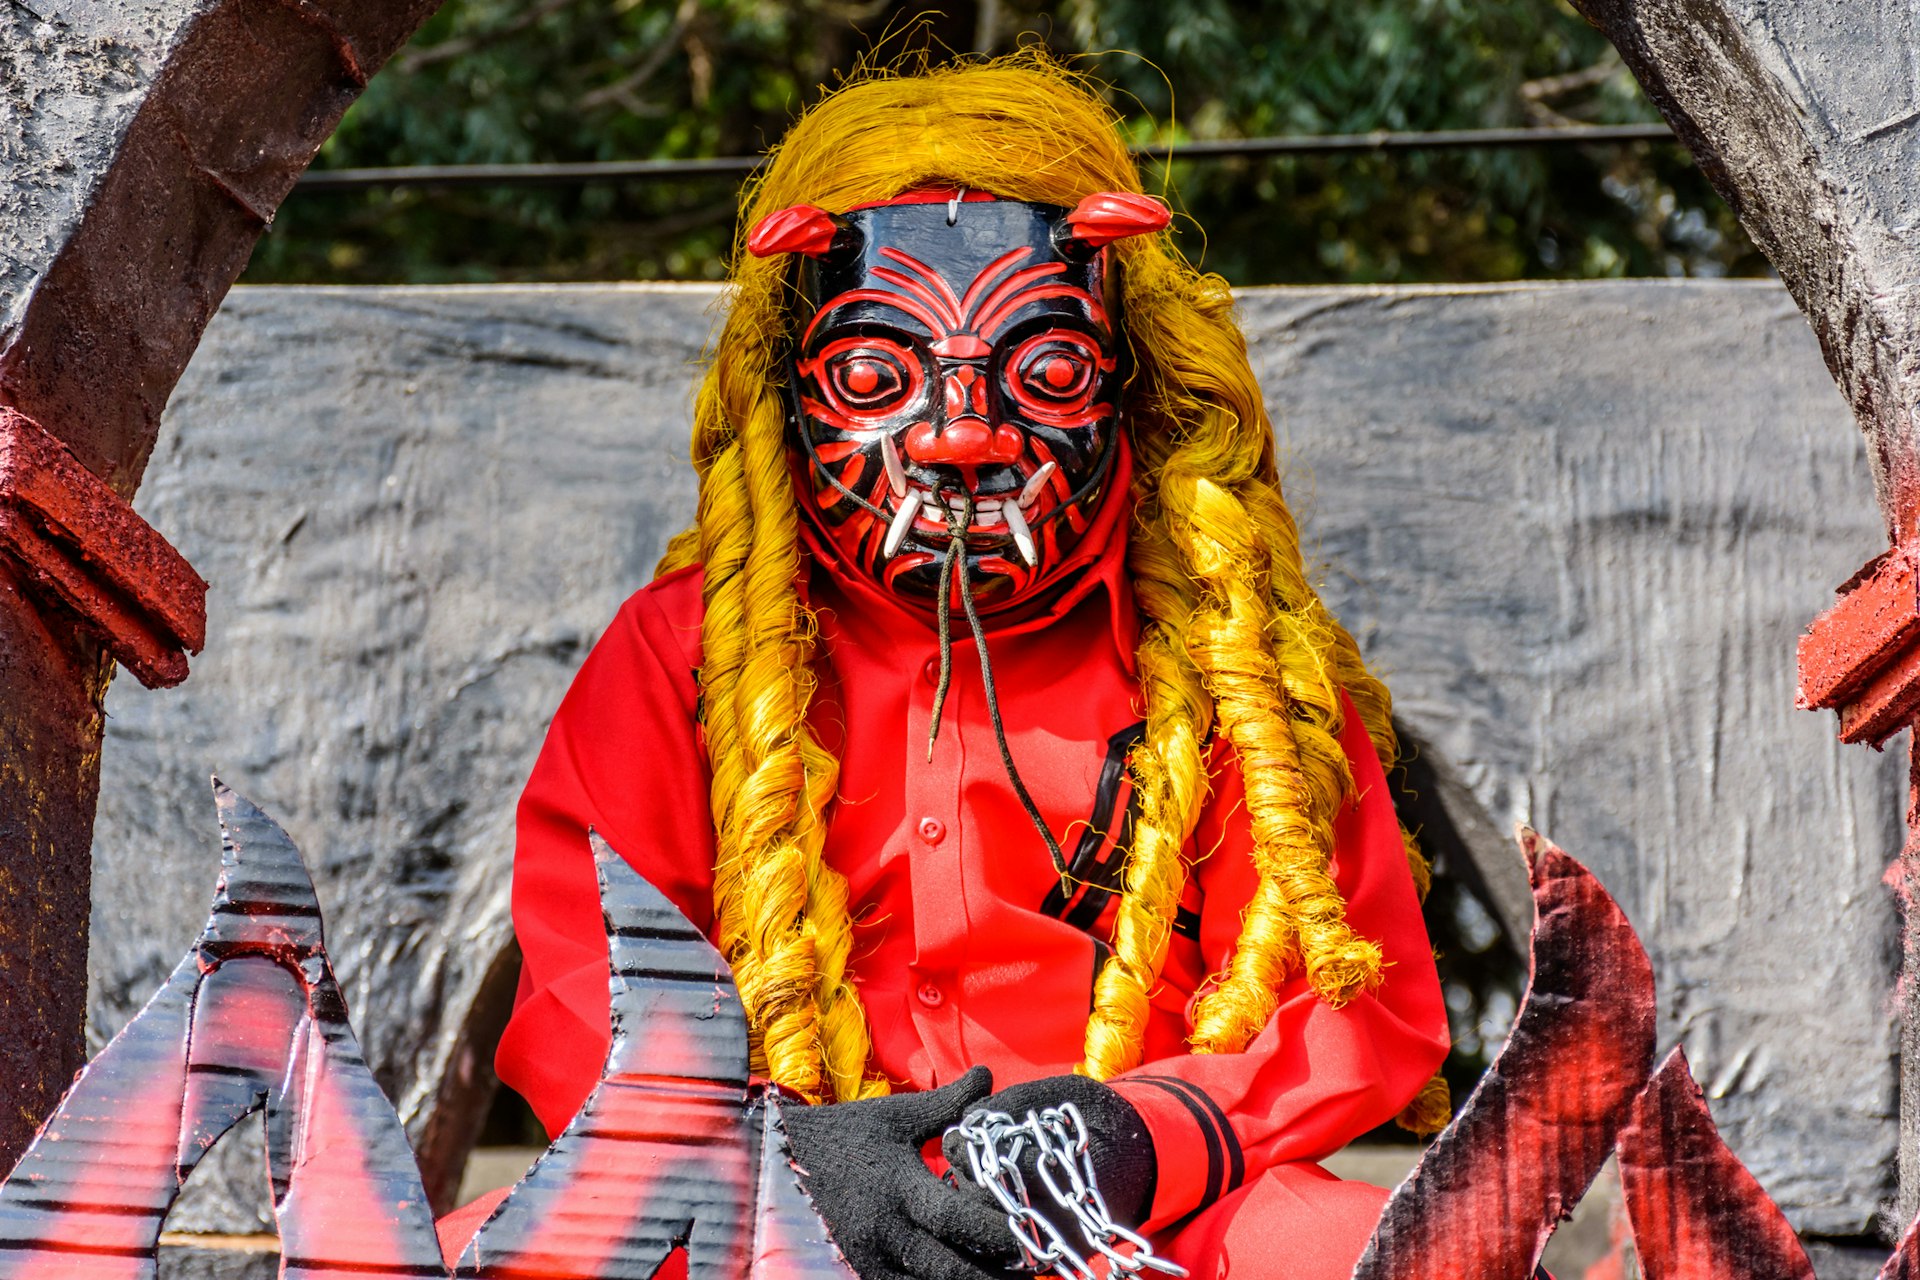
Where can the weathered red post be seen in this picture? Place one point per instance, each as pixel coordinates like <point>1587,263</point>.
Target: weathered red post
<point>148,147</point>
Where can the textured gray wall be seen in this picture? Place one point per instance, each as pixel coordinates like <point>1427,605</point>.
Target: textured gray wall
<point>1577,528</point>
<point>1806,116</point>
<point>72,74</point>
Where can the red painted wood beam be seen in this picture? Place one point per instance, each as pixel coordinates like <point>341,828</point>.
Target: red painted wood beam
<point>78,546</point>
<point>1862,656</point>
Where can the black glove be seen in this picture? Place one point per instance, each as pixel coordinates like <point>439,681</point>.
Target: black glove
<point>1117,1142</point>
<point>890,1216</point>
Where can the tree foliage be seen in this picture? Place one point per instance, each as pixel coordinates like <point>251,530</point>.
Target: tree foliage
<point>547,80</point>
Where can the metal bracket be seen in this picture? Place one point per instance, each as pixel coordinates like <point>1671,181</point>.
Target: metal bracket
<point>79,546</point>
<point>1862,657</point>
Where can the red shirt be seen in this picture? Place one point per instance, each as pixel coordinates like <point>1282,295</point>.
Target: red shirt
<point>966,952</point>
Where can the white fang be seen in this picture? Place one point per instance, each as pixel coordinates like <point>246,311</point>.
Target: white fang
<point>1022,536</point>
<point>896,474</point>
<point>1036,483</point>
<point>902,521</point>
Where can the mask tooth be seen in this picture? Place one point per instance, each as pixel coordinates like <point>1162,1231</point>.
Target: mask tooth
<point>987,514</point>
<point>902,521</point>
<point>1036,483</point>
<point>896,473</point>
<point>1022,536</point>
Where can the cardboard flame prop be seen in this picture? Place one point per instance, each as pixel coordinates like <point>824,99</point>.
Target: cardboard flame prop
<point>672,1149</point>
<point>251,1019</point>
<point>1578,1052</point>
<point>676,1148</point>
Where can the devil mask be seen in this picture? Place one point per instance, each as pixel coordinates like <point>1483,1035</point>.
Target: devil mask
<point>956,369</point>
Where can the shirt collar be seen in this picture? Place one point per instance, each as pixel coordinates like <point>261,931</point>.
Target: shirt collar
<point>1097,566</point>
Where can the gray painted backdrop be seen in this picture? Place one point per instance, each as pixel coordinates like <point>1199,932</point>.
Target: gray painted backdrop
<point>1577,527</point>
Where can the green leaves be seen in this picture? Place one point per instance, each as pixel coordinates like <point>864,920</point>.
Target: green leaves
<point>506,81</point>
<point>1241,68</point>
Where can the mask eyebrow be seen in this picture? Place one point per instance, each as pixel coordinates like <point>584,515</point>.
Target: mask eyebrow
<point>944,301</point>
<point>990,273</point>
<point>906,306</point>
<point>1023,288</point>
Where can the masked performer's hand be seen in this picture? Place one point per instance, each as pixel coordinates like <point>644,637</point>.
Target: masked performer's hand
<point>1117,1141</point>
<point>890,1216</point>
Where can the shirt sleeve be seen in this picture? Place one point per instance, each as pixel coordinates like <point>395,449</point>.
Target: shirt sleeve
<point>1315,1077</point>
<point>622,757</point>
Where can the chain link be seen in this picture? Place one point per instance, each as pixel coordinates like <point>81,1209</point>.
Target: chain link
<point>996,1141</point>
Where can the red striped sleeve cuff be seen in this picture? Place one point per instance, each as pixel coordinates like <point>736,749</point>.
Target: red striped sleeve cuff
<point>1196,1153</point>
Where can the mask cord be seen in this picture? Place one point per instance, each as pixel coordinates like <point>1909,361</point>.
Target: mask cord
<point>955,565</point>
<point>956,552</point>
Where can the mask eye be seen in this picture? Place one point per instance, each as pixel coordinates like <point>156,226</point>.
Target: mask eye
<point>1056,375</point>
<point>864,378</point>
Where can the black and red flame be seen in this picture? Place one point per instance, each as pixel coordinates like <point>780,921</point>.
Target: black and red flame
<point>677,1161</point>
<point>959,362</point>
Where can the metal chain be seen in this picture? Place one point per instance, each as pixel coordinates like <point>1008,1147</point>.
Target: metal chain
<point>996,1141</point>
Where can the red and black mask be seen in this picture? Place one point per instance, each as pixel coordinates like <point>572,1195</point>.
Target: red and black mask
<point>957,368</point>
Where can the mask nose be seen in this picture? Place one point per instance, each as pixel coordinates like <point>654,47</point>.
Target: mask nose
<point>967,438</point>
<point>966,392</point>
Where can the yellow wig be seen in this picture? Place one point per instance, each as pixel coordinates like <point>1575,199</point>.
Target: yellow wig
<point>1235,640</point>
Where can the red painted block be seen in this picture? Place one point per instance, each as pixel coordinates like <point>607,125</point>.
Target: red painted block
<point>1863,655</point>
<point>79,546</point>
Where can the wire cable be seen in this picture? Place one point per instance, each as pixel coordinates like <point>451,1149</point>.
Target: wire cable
<point>640,171</point>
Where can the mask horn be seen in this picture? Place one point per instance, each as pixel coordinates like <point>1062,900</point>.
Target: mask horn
<point>1106,216</point>
<point>801,228</point>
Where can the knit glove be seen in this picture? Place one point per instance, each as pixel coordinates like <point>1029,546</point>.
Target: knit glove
<point>1117,1142</point>
<point>887,1212</point>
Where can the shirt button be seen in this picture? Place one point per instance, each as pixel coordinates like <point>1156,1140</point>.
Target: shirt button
<point>931,996</point>
<point>932,671</point>
<point>932,830</point>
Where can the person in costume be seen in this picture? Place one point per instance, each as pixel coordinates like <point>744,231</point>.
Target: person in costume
<point>986,718</point>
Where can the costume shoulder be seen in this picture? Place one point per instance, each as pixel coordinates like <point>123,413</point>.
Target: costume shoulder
<point>654,642</point>
<point>676,596</point>
<point>667,612</point>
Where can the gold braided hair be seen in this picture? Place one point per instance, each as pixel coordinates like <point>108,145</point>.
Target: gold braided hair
<point>1235,640</point>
